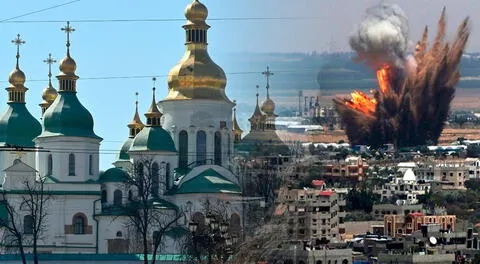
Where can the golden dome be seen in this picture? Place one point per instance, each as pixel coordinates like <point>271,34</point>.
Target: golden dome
<point>49,94</point>
<point>16,77</point>
<point>68,65</point>
<point>196,76</point>
<point>196,12</point>
<point>268,106</point>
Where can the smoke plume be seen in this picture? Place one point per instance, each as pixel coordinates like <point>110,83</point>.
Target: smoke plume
<point>413,102</point>
<point>382,37</point>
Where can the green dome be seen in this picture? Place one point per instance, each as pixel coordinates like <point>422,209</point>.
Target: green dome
<point>18,127</point>
<point>123,155</point>
<point>113,175</point>
<point>153,139</point>
<point>67,117</point>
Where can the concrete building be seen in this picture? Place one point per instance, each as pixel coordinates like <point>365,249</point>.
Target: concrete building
<point>447,174</point>
<point>354,168</point>
<point>473,165</point>
<point>315,215</point>
<point>380,210</point>
<point>397,226</point>
<point>404,190</point>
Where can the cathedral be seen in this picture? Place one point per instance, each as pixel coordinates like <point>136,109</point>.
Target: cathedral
<point>262,139</point>
<point>188,138</point>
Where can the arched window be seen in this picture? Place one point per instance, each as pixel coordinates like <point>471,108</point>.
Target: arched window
<point>117,198</point>
<point>130,195</point>
<point>119,234</point>
<point>71,164</point>
<point>79,223</point>
<point>183,149</point>
<point>201,147</point>
<point>155,179</point>
<point>167,176</point>
<point>104,196</point>
<point>28,224</point>
<point>235,225</point>
<point>90,164</point>
<point>49,165</point>
<point>139,176</point>
<point>218,148</point>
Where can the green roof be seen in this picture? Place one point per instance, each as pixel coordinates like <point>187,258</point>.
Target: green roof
<point>113,175</point>
<point>126,209</point>
<point>158,203</point>
<point>153,138</point>
<point>123,155</point>
<point>67,117</point>
<point>113,211</point>
<point>176,232</point>
<point>182,171</point>
<point>51,179</point>
<point>18,127</point>
<point>209,181</point>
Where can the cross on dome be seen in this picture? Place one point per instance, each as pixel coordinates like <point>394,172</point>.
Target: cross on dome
<point>49,61</point>
<point>18,42</point>
<point>68,29</point>
<point>49,93</point>
<point>267,74</point>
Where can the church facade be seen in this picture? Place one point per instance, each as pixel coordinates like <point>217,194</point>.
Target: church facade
<point>187,138</point>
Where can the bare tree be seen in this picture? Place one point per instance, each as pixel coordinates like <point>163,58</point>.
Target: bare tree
<point>148,214</point>
<point>13,235</point>
<point>216,244</point>
<point>266,183</point>
<point>26,231</point>
<point>264,243</point>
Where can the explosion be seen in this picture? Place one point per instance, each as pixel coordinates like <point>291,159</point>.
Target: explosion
<point>414,92</point>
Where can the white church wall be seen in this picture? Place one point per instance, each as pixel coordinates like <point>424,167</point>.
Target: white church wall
<point>110,226</point>
<point>193,116</point>
<point>60,148</point>
<point>7,158</point>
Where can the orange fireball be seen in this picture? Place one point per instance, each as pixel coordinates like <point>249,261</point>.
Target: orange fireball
<point>382,77</point>
<point>362,102</point>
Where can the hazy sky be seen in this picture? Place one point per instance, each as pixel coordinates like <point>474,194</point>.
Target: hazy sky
<point>122,49</point>
<point>334,20</point>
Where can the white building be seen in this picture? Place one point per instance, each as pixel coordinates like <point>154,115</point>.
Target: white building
<point>188,139</point>
<point>405,189</point>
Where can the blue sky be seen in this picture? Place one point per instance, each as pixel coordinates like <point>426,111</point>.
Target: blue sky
<point>152,48</point>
